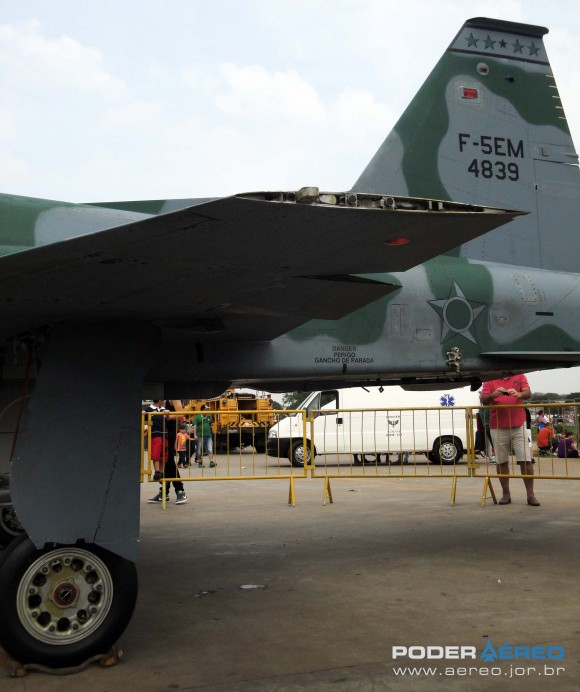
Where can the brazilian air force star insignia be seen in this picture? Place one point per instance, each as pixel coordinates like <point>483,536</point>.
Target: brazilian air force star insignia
<point>457,314</point>
<point>472,41</point>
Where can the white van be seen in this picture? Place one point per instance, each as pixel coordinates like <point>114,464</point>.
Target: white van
<point>377,421</point>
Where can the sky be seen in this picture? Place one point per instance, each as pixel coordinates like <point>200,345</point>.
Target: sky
<point>149,99</point>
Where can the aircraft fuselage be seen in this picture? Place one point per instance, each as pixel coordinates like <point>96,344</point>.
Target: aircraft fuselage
<point>497,316</point>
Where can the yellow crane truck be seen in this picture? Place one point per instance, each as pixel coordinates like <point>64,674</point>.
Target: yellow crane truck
<point>240,419</point>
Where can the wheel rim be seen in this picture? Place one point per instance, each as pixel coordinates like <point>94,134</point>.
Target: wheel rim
<point>64,596</point>
<point>301,454</point>
<point>447,452</point>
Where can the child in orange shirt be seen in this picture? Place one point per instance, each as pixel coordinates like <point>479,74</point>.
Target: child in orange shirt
<point>181,446</point>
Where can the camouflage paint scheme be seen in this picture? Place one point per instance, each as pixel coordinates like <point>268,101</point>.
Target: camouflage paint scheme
<point>509,145</point>
<point>507,300</point>
<point>486,128</point>
<point>284,291</point>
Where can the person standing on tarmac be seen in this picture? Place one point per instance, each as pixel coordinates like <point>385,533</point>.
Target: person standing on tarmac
<point>158,449</point>
<point>163,435</point>
<point>181,446</point>
<point>507,424</point>
<point>203,434</point>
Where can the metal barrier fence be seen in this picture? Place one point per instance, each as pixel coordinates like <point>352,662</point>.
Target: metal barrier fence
<point>235,455</point>
<point>438,442</point>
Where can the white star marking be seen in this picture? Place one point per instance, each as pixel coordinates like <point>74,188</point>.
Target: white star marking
<point>444,309</point>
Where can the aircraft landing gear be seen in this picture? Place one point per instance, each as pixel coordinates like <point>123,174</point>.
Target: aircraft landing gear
<point>63,604</point>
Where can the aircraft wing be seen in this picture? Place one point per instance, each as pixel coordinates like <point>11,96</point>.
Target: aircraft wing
<point>248,266</point>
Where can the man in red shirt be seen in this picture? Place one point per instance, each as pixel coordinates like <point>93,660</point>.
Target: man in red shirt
<point>508,430</point>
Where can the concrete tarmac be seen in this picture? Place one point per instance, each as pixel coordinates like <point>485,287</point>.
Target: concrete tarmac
<point>240,592</point>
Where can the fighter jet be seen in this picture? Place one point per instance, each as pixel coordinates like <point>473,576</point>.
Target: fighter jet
<point>451,260</point>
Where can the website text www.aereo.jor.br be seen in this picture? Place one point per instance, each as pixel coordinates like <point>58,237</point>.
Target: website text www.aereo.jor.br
<point>484,671</point>
<point>515,661</point>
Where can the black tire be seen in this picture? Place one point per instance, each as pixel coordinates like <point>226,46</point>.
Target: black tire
<point>360,459</point>
<point>300,454</point>
<point>446,451</point>
<point>63,604</point>
<point>10,526</point>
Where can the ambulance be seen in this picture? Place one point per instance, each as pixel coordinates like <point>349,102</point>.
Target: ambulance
<point>374,423</point>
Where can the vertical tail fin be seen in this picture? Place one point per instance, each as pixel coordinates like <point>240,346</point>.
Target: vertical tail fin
<point>488,127</point>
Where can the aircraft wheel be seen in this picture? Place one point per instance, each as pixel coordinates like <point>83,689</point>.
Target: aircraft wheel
<point>447,450</point>
<point>63,604</point>
<point>301,455</point>
<point>10,526</point>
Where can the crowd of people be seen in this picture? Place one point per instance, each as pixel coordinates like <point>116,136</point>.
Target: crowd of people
<point>190,439</point>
